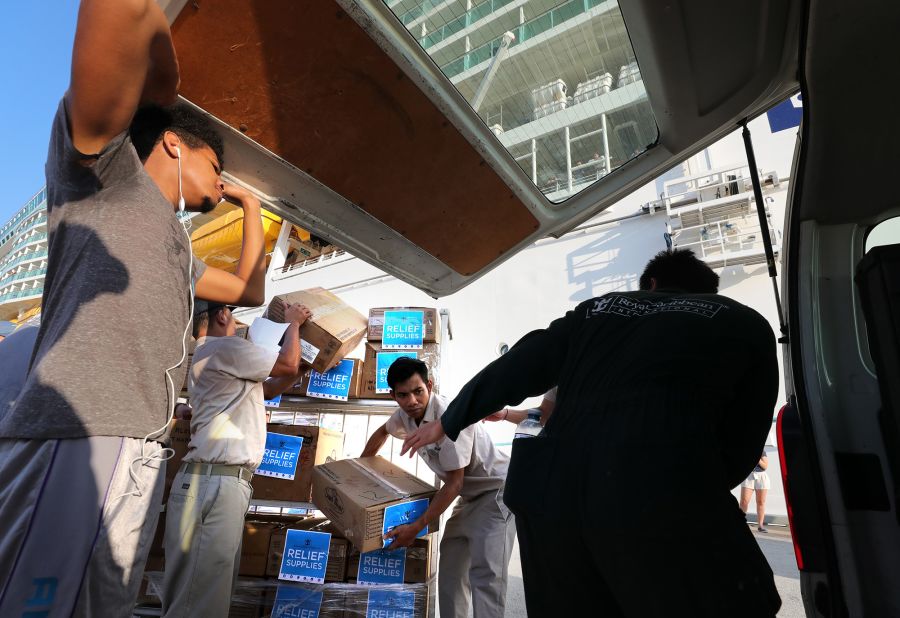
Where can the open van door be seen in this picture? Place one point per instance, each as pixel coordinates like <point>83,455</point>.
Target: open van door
<point>353,119</point>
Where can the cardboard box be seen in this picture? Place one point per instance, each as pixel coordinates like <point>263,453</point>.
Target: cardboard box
<point>332,606</point>
<point>255,547</point>
<point>356,381</point>
<point>430,353</point>
<point>421,561</point>
<point>331,333</point>
<point>179,437</point>
<point>353,494</point>
<point>300,385</point>
<point>320,445</point>
<point>356,603</point>
<point>431,318</point>
<point>338,549</point>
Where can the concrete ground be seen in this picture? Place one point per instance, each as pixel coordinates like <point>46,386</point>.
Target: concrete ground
<point>776,546</point>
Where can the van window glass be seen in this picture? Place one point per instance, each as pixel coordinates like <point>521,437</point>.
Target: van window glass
<point>556,81</point>
<point>885,233</point>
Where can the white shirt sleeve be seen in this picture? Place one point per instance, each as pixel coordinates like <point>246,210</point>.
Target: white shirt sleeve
<point>551,395</point>
<point>248,361</point>
<point>394,425</point>
<point>456,455</point>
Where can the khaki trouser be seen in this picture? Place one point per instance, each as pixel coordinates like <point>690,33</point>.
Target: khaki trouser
<point>204,528</point>
<point>475,552</point>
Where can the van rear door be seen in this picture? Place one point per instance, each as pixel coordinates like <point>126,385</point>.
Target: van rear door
<point>342,121</point>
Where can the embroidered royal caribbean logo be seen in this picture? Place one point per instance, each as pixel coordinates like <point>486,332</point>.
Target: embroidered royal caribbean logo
<point>629,307</point>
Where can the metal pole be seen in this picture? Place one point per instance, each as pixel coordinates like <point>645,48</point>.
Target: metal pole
<point>568,159</point>
<point>764,227</point>
<point>534,161</point>
<point>605,144</point>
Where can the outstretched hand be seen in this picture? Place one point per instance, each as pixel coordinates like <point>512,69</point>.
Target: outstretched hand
<point>428,433</point>
<point>496,417</point>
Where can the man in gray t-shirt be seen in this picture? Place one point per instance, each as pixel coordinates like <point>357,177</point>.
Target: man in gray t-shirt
<point>80,465</point>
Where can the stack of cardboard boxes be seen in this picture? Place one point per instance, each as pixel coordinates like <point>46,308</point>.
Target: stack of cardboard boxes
<point>304,464</point>
<point>367,376</point>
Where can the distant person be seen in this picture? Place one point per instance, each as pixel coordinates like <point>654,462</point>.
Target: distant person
<point>641,376</point>
<point>758,482</point>
<point>108,358</point>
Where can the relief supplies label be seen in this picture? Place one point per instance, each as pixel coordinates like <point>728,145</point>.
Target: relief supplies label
<point>403,330</point>
<point>391,604</point>
<point>381,567</point>
<point>402,514</point>
<point>305,556</point>
<point>383,362</point>
<point>334,384</point>
<point>296,602</point>
<point>308,352</point>
<point>274,402</point>
<point>280,457</point>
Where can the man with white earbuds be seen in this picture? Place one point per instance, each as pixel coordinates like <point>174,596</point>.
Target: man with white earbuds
<point>81,466</point>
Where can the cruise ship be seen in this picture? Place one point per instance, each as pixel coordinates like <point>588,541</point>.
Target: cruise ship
<point>23,258</point>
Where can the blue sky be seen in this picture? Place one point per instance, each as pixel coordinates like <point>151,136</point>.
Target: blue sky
<point>34,72</point>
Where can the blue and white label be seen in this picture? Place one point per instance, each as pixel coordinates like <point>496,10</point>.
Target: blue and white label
<point>383,362</point>
<point>391,603</point>
<point>334,384</point>
<point>786,115</point>
<point>403,330</point>
<point>281,456</point>
<point>274,402</point>
<point>402,514</point>
<point>305,556</point>
<point>381,567</point>
<point>296,602</point>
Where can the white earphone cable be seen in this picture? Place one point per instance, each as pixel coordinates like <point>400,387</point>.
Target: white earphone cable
<point>166,453</point>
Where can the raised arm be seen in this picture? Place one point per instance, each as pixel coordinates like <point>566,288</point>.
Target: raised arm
<point>123,56</point>
<point>288,363</point>
<point>247,286</point>
<point>528,369</point>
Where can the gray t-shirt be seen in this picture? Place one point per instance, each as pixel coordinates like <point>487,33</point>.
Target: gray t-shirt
<point>116,299</point>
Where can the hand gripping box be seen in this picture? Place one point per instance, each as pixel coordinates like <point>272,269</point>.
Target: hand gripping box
<point>353,494</point>
<point>330,334</point>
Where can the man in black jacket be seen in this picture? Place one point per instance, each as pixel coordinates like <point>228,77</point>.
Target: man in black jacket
<point>672,377</point>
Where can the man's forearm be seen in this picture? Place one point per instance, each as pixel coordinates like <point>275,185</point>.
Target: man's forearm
<point>288,362</point>
<point>275,386</point>
<point>251,266</point>
<point>376,441</point>
<point>441,501</point>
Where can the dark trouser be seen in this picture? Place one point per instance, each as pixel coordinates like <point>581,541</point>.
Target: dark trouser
<point>604,541</point>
